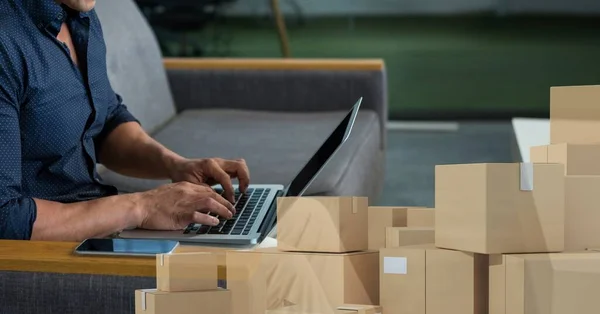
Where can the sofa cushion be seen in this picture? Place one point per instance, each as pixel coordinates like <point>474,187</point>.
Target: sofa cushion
<point>134,63</point>
<point>274,145</point>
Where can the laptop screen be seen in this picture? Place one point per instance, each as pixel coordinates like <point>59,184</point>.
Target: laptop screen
<point>312,168</point>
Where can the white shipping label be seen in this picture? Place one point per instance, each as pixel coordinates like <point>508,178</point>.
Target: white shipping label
<point>394,265</point>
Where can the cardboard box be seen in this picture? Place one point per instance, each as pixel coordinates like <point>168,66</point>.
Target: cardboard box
<point>582,214</point>
<point>358,309</point>
<point>322,224</point>
<point>544,283</point>
<point>288,310</point>
<point>218,251</point>
<point>152,301</point>
<point>269,279</point>
<point>379,219</point>
<point>500,208</point>
<point>186,272</point>
<point>403,236</point>
<point>427,280</point>
<point>420,217</point>
<point>579,159</point>
<point>575,115</point>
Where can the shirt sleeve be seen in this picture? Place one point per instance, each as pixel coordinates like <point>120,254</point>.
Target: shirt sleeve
<point>117,115</point>
<point>17,212</point>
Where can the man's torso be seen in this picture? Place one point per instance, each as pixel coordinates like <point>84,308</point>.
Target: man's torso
<point>62,106</point>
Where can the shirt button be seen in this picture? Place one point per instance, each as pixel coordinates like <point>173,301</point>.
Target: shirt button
<point>59,16</point>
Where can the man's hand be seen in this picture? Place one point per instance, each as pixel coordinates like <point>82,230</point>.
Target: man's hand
<point>211,171</point>
<point>175,206</point>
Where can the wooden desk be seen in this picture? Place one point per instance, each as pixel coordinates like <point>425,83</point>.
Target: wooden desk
<point>58,257</point>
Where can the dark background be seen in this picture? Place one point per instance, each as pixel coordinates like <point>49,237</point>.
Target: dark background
<point>445,59</point>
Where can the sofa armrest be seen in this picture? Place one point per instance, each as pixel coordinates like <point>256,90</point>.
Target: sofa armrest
<point>279,84</point>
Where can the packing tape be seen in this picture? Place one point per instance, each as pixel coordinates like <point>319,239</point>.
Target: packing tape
<point>162,259</point>
<point>143,300</point>
<point>526,176</point>
<point>355,205</point>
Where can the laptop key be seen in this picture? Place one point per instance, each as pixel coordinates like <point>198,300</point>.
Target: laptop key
<point>214,231</point>
<point>188,228</point>
<point>203,230</point>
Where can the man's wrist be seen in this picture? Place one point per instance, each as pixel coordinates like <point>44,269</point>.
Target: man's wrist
<point>171,162</point>
<point>137,209</point>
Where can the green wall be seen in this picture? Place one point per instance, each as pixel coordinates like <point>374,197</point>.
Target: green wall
<point>441,68</point>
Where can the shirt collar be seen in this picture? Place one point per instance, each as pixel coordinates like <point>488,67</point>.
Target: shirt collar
<point>49,15</point>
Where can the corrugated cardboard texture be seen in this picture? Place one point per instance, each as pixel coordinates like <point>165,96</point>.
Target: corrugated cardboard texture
<point>579,159</point>
<point>322,224</point>
<point>481,208</point>
<point>582,215</point>
<point>552,283</point>
<point>379,219</point>
<point>427,280</point>
<point>217,301</point>
<point>420,217</point>
<point>403,236</point>
<point>575,115</point>
<point>186,272</point>
<point>269,279</point>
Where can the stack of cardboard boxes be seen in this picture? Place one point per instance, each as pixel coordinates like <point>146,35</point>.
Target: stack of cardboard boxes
<point>320,265</point>
<point>185,283</point>
<point>504,238</point>
<point>512,238</point>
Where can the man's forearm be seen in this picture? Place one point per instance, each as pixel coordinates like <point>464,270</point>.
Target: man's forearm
<point>130,151</point>
<point>79,221</point>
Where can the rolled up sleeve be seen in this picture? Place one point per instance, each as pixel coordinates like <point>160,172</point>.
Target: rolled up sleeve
<point>17,212</point>
<point>117,115</point>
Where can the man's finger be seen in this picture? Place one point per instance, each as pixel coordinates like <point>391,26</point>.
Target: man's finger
<point>226,203</point>
<point>243,175</point>
<point>221,177</point>
<point>238,169</point>
<point>215,207</point>
<point>204,219</point>
<point>206,190</point>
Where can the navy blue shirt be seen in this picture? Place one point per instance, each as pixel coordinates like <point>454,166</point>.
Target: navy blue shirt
<point>54,115</point>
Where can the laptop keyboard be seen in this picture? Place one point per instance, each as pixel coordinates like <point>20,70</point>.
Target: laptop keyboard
<point>247,207</point>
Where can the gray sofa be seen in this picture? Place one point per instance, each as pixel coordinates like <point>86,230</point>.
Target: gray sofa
<point>273,113</point>
<point>275,117</point>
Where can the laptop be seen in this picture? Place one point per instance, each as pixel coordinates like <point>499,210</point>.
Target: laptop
<point>256,210</point>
